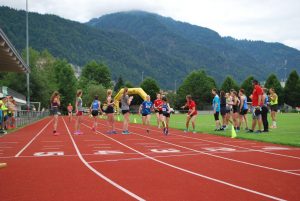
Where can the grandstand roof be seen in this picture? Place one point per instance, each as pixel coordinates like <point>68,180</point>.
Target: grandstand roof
<point>10,60</point>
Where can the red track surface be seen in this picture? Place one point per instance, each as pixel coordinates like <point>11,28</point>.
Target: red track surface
<point>142,167</point>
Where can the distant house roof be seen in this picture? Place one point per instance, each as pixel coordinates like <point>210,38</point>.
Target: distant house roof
<point>10,60</point>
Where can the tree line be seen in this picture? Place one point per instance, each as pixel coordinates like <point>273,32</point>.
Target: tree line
<point>49,74</point>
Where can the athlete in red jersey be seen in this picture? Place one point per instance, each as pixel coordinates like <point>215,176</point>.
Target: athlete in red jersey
<point>192,113</point>
<point>158,109</point>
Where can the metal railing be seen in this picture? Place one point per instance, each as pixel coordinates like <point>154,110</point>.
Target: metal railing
<point>24,117</point>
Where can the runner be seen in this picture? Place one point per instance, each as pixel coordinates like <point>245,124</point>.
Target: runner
<point>192,113</point>
<point>256,106</point>
<point>273,106</point>
<point>145,111</point>
<point>95,108</point>
<point>70,109</point>
<point>125,103</point>
<point>79,112</point>
<point>55,103</point>
<point>166,110</point>
<point>216,108</point>
<point>157,108</point>
<point>228,108</point>
<point>243,108</point>
<point>110,112</point>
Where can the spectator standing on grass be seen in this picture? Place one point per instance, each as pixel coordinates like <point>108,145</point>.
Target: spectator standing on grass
<point>274,106</point>
<point>55,103</point>
<point>223,108</point>
<point>192,113</point>
<point>145,111</point>
<point>265,110</point>
<point>216,108</point>
<point>2,130</point>
<point>257,102</point>
<point>125,103</point>
<point>79,112</point>
<point>235,110</point>
<point>243,108</point>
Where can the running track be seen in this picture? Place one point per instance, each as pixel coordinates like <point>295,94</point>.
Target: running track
<point>97,166</point>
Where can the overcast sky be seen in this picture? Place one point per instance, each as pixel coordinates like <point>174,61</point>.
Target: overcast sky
<point>268,20</point>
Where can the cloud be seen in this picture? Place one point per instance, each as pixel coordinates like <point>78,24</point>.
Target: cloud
<point>268,20</point>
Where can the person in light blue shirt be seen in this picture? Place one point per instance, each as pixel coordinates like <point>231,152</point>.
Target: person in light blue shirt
<point>216,109</point>
<point>145,110</point>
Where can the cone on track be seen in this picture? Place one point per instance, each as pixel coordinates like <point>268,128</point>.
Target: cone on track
<point>118,118</point>
<point>233,133</point>
<point>134,120</point>
<point>2,165</point>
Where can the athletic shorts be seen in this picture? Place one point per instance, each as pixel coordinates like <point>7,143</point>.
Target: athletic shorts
<point>256,113</point>
<point>166,115</point>
<point>69,112</point>
<point>274,108</point>
<point>223,111</point>
<point>95,113</point>
<point>243,111</point>
<point>145,114</point>
<point>235,109</point>
<point>109,110</point>
<point>79,113</point>
<point>125,111</point>
<point>191,115</point>
<point>54,111</point>
<point>216,115</point>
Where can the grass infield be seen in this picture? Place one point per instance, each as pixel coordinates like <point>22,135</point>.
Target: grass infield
<point>287,133</point>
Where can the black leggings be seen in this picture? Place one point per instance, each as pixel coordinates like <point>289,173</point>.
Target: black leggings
<point>264,117</point>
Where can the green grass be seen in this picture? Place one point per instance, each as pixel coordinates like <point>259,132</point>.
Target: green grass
<point>287,133</point>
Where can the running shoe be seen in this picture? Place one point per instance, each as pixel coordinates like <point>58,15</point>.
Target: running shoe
<point>115,132</point>
<point>148,131</point>
<point>185,131</point>
<point>93,129</point>
<point>56,133</point>
<point>124,132</point>
<point>250,131</point>
<point>258,131</point>
<point>76,133</point>
<point>194,131</point>
<point>109,132</point>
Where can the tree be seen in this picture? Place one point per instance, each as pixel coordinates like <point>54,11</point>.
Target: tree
<point>119,84</point>
<point>273,82</point>
<point>66,82</point>
<point>92,91</point>
<point>228,84</point>
<point>247,86</point>
<point>292,90</point>
<point>97,72</point>
<point>199,86</point>
<point>151,87</point>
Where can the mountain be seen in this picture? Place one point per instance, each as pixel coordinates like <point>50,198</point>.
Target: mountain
<point>135,42</point>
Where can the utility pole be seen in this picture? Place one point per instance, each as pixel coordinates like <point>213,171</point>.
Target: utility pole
<point>27,57</point>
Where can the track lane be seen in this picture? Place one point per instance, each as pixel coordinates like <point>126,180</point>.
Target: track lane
<point>236,173</point>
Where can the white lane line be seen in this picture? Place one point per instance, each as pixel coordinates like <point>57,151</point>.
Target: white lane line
<point>293,170</point>
<point>98,173</point>
<point>221,157</point>
<point>217,156</point>
<point>191,172</point>
<point>29,143</point>
<point>216,137</point>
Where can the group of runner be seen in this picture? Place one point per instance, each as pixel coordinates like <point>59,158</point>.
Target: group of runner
<point>233,107</point>
<point>161,107</point>
<point>8,112</point>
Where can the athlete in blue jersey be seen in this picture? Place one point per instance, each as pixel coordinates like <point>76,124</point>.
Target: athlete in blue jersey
<point>216,108</point>
<point>95,108</point>
<point>166,110</point>
<point>243,108</point>
<point>145,110</point>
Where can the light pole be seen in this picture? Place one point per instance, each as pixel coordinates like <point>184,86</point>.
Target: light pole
<point>27,57</point>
